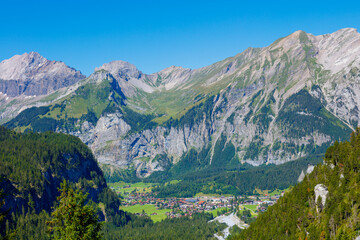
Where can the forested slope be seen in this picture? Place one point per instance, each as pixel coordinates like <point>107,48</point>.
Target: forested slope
<point>335,214</point>
<point>33,165</point>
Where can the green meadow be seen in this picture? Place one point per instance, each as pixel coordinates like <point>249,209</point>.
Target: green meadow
<point>149,209</point>
<point>123,188</point>
<point>215,211</point>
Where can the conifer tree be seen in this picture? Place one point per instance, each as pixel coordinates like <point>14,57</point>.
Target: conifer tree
<point>72,218</point>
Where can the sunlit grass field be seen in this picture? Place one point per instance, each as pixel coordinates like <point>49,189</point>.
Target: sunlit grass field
<point>149,209</point>
<point>122,187</point>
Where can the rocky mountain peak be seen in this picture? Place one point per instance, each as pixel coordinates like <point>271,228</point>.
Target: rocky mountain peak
<point>339,37</point>
<point>121,69</point>
<point>100,75</point>
<point>32,74</point>
<point>33,56</point>
<point>296,35</point>
<point>291,41</point>
<point>129,78</point>
<point>173,72</point>
<point>19,66</point>
<point>335,52</point>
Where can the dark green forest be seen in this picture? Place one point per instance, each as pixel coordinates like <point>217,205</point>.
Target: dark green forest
<point>32,166</point>
<point>194,228</point>
<point>239,180</point>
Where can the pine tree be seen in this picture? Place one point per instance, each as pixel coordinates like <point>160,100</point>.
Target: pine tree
<point>3,213</point>
<point>2,203</point>
<point>72,218</point>
<point>5,233</point>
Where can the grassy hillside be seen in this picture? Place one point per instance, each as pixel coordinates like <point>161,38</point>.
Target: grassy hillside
<point>88,103</point>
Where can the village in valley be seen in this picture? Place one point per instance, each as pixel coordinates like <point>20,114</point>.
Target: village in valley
<point>140,200</point>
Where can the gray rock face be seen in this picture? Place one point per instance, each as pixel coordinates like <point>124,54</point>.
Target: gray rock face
<point>128,77</point>
<point>301,177</point>
<point>309,170</point>
<point>31,74</point>
<point>131,79</point>
<point>171,77</point>
<point>108,142</point>
<point>321,191</point>
<point>121,70</point>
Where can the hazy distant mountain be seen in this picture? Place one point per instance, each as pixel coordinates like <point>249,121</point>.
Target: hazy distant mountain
<point>265,105</point>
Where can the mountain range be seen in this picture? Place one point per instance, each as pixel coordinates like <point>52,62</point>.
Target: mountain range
<point>267,105</point>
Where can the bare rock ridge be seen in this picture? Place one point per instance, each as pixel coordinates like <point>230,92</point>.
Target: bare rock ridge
<point>131,79</point>
<point>265,105</point>
<point>31,74</point>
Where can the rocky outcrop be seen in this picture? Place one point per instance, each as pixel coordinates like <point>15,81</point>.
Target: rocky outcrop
<point>309,170</point>
<point>301,177</point>
<point>171,77</point>
<point>128,77</point>
<point>321,192</point>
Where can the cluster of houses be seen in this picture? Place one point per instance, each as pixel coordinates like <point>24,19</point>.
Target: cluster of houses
<point>188,206</point>
<point>255,200</point>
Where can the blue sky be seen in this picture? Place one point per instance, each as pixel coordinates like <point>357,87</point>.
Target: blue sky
<point>156,34</point>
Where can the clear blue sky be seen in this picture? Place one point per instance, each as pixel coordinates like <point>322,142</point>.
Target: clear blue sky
<point>156,34</point>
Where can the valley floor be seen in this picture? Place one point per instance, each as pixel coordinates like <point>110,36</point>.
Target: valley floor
<point>139,199</point>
